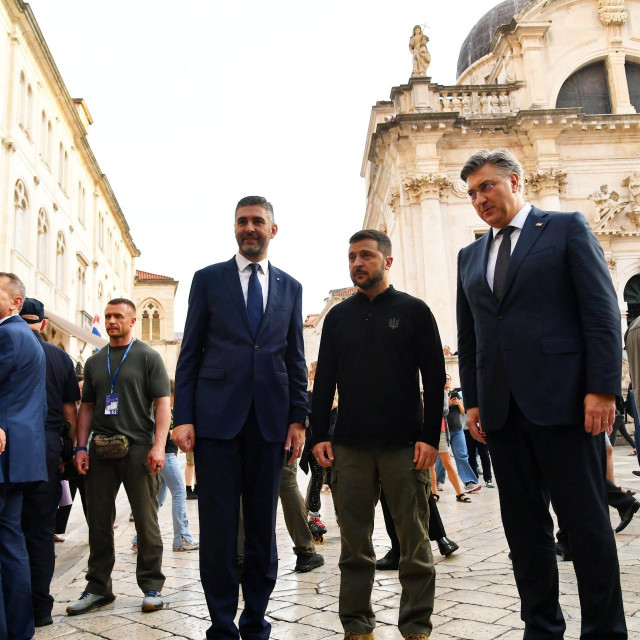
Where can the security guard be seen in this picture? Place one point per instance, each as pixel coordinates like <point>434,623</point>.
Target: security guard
<point>41,499</point>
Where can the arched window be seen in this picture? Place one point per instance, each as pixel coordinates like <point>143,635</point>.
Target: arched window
<point>101,231</point>
<point>100,297</point>
<point>632,298</point>
<point>81,287</point>
<point>29,115</point>
<point>65,173</point>
<point>60,251</point>
<point>22,106</point>
<point>151,321</point>
<point>587,88</point>
<point>49,144</point>
<point>60,165</point>
<point>43,232</point>
<point>43,135</point>
<point>81,203</point>
<point>21,204</point>
<point>633,82</point>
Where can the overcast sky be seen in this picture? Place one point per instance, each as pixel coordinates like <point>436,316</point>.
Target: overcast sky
<point>197,104</point>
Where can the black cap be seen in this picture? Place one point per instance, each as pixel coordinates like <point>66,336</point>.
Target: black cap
<point>32,307</point>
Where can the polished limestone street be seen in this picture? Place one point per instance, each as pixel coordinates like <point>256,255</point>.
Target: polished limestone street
<point>475,597</point>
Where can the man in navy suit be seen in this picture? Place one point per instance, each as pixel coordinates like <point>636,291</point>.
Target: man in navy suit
<point>540,357</point>
<point>23,409</point>
<point>240,400</point>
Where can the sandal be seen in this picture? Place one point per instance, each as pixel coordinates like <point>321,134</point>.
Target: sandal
<point>463,498</point>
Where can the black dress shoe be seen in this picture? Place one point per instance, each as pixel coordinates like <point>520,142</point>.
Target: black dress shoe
<point>390,561</point>
<point>563,551</point>
<point>626,515</point>
<point>446,546</point>
<point>43,622</point>
<point>309,563</point>
<point>636,473</point>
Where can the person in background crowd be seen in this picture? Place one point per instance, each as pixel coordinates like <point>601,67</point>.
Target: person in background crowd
<point>374,345</point>
<point>457,443</point>
<point>241,399</point>
<point>126,408</point>
<point>539,350</point>
<point>40,501</point>
<point>190,477</point>
<point>23,411</point>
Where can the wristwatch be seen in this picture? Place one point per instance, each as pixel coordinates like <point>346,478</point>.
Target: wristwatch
<point>76,449</point>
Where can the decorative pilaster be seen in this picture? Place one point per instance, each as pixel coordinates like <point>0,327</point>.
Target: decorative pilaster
<point>431,186</point>
<point>613,14</point>
<point>546,186</point>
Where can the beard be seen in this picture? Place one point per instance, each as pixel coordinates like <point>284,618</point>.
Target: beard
<point>253,251</point>
<point>371,281</point>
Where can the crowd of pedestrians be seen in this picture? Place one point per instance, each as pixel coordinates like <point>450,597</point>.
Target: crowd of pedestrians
<point>375,419</point>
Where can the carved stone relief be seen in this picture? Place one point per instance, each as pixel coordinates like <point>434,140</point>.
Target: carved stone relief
<point>612,12</point>
<point>433,185</point>
<point>616,215</point>
<point>546,182</point>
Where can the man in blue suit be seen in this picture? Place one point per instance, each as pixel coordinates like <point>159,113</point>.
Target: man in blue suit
<point>240,400</point>
<point>539,348</point>
<point>23,409</point>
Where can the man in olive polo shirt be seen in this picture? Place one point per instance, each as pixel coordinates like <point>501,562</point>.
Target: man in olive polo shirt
<point>125,384</point>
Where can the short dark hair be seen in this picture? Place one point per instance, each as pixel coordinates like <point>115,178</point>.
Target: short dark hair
<point>384,244</point>
<point>123,301</point>
<point>256,201</point>
<point>16,285</point>
<point>501,159</point>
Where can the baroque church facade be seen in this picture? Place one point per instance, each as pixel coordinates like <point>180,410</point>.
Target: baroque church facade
<point>555,81</point>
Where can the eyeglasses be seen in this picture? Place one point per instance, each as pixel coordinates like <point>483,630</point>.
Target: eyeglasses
<point>484,188</point>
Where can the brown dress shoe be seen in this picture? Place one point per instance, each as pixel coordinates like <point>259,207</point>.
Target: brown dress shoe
<point>417,636</point>
<point>352,635</point>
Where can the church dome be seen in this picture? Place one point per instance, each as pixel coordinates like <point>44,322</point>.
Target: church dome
<point>477,43</point>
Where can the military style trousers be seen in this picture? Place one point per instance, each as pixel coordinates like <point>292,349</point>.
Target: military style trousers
<point>102,483</point>
<point>357,475</point>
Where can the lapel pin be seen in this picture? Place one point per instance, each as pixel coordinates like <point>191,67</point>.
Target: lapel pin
<point>538,224</point>
<point>278,279</point>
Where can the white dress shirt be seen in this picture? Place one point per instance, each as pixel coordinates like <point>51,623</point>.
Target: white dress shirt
<point>517,222</point>
<point>244,270</point>
<point>7,317</point>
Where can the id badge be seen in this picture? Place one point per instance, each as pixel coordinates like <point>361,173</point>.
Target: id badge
<point>111,405</point>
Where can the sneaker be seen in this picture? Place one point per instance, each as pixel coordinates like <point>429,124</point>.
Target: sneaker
<point>440,486</point>
<point>187,546</point>
<point>472,487</point>
<point>308,562</point>
<point>490,485</point>
<point>134,548</point>
<point>152,601</point>
<point>88,602</point>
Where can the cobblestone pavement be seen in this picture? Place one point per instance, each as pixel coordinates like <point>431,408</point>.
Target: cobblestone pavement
<point>475,598</point>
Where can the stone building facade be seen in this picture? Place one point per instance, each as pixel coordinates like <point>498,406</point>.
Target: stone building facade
<point>154,295</point>
<point>61,228</point>
<point>555,81</point>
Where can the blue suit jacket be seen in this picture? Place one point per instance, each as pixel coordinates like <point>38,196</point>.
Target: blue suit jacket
<point>23,403</point>
<point>222,369</point>
<point>556,334</point>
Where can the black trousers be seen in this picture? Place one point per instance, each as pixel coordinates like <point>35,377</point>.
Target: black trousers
<point>535,465</point>
<point>39,506</point>
<point>251,467</point>
<point>76,484</point>
<point>436,528</point>
<point>476,449</point>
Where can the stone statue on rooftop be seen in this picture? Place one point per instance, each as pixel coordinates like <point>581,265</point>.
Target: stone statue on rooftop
<point>418,48</point>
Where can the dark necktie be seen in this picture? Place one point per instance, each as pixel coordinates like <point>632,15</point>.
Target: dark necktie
<point>254,300</point>
<point>502,262</point>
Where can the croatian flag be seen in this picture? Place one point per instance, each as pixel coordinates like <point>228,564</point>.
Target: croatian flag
<point>95,329</point>
<point>95,326</point>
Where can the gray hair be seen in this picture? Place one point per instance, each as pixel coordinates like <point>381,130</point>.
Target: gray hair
<point>16,285</point>
<point>504,161</point>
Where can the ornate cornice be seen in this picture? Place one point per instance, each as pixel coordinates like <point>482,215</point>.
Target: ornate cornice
<point>433,185</point>
<point>544,182</point>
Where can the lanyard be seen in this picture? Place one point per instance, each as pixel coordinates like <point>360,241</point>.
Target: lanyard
<point>115,375</point>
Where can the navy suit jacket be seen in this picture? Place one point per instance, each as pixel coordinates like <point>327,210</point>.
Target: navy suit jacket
<point>222,369</point>
<point>23,403</point>
<point>554,337</point>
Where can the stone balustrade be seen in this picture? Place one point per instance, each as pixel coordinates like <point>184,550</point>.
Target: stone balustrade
<point>483,101</point>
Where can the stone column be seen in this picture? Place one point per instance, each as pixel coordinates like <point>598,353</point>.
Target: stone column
<point>618,87</point>
<point>431,280</point>
<point>545,186</point>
